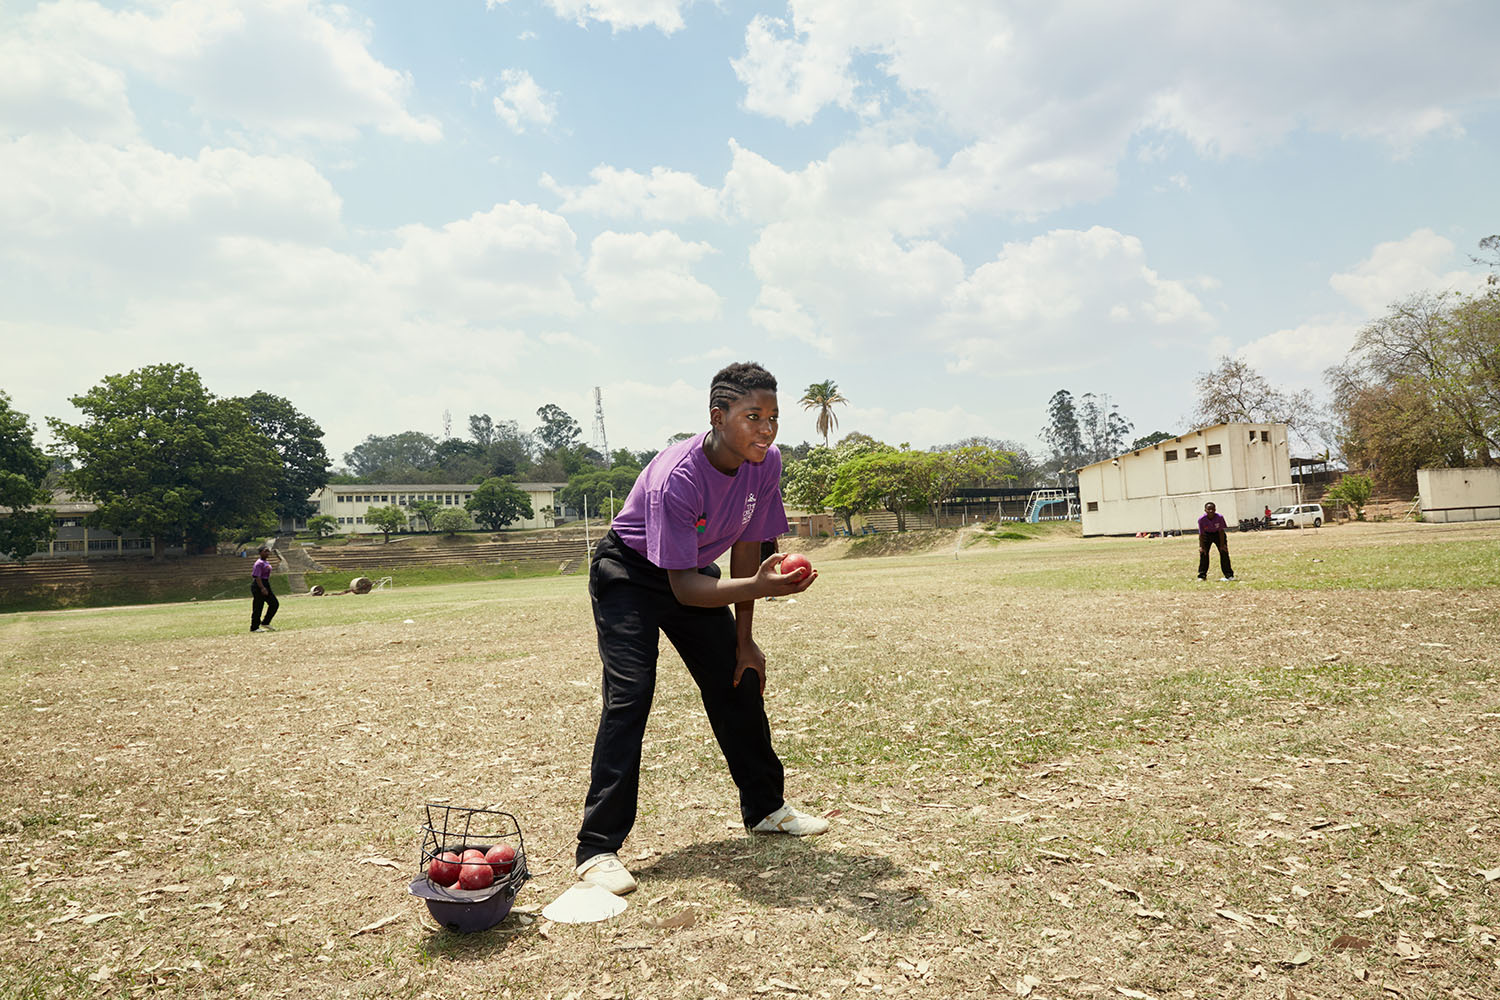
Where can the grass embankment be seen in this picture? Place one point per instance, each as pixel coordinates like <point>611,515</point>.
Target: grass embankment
<point>432,576</point>
<point>1053,768</point>
<point>149,591</point>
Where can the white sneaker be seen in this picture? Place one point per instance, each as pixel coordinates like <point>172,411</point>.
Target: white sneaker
<point>267,628</point>
<point>607,871</point>
<point>790,821</point>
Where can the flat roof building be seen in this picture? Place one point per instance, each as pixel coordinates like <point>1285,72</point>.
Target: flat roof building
<point>1448,495</point>
<point>348,503</point>
<point>1242,468</point>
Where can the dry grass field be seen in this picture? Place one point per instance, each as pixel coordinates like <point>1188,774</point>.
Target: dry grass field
<point>1054,767</point>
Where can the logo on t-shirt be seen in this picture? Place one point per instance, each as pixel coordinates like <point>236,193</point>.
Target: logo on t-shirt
<point>701,524</point>
<point>749,510</point>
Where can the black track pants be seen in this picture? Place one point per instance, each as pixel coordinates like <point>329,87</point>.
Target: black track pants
<point>257,601</point>
<point>1204,541</point>
<point>633,604</point>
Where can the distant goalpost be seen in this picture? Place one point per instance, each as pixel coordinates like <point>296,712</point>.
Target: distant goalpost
<point>1174,519</point>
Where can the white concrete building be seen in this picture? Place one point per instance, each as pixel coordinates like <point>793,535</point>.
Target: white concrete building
<point>348,503</point>
<point>1242,468</point>
<point>1459,494</point>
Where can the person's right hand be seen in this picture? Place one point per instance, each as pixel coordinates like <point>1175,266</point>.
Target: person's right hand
<point>774,583</point>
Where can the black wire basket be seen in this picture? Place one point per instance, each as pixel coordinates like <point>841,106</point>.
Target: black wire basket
<point>458,829</point>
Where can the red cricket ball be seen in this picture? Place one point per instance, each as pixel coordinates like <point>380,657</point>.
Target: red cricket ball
<point>475,875</point>
<point>502,857</point>
<point>444,869</point>
<point>794,562</point>
<point>472,854</point>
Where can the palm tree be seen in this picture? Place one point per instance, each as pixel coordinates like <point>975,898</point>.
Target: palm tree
<point>822,396</point>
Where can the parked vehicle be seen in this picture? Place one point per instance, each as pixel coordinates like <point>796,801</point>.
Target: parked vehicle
<point>1303,515</point>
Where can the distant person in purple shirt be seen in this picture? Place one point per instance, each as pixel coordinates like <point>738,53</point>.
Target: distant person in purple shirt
<point>1213,530</point>
<point>260,593</point>
<point>654,573</point>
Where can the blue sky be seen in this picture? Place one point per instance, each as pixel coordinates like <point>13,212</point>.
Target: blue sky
<point>386,210</point>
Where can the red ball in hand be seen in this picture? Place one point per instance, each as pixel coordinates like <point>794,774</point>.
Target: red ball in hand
<point>794,562</point>
<point>444,869</point>
<point>475,875</point>
<point>501,857</point>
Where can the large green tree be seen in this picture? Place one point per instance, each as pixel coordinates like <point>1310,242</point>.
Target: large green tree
<point>1063,435</point>
<point>1421,387</point>
<point>558,430</point>
<point>393,458</point>
<point>482,429</point>
<point>428,510</point>
<point>893,480</point>
<point>823,397</point>
<point>942,473</point>
<point>1103,429</point>
<point>388,518</point>
<point>807,483</point>
<point>451,520</point>
<point>497,502</point>
<point>596,485</point>
<point>298,440</point>
<point>27,526</point>
<point>162,456</point>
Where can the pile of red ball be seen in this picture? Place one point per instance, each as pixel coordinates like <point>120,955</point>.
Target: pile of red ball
<point>474,869</point>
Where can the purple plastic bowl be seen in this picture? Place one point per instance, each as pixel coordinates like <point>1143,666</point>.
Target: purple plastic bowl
<point>465,910</point>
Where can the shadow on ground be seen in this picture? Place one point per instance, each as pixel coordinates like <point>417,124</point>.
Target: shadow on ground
<point>783,873</point>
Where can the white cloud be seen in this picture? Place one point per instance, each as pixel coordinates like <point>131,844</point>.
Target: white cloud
<point>662,196</point>
<point>646,277</point>
<point>1057,294</point>
<point>1301,351</point>
<point>285,67</point>
<point>838,285</point>
<point>567,341</point>
<point>790,78</point>
<point>138,219</point>
<point>496,266</point>
<point>1394,270</point>
<point>1057,96</point>
<point>523,101</point>
<point>46,89</point>
<point>905,186</point>
<point>664,15</point>
<point>842,287</point>
<point>1399,268</point>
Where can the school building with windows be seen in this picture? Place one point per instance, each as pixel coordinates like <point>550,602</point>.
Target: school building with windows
<point>74,539</point>
<point>1242,468</point>
<point>348,503</point>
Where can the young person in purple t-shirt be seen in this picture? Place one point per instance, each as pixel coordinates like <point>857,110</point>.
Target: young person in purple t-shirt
<point>260,593</point>
<point>654,573</point>
<point>1213,530</point>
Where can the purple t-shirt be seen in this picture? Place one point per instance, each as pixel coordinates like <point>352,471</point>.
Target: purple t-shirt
<point>261,570</point>
<point>1212,524</point>
<point>683,513</point>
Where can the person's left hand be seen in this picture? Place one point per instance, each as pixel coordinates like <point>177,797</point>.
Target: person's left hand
<point>749,657</point>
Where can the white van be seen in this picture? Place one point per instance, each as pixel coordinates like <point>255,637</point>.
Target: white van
<point>1304,515</point>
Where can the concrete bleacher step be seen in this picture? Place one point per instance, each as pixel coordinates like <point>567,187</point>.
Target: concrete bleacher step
<point>356,557</point>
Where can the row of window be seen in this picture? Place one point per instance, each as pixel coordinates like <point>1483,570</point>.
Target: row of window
<point>100,544</point>
<point>1171,455</point>
<point>402,499</point>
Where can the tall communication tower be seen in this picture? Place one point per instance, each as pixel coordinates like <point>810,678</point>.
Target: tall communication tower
<point>601,441</point>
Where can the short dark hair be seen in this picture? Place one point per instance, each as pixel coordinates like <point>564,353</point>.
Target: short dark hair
<point>738,380</point>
